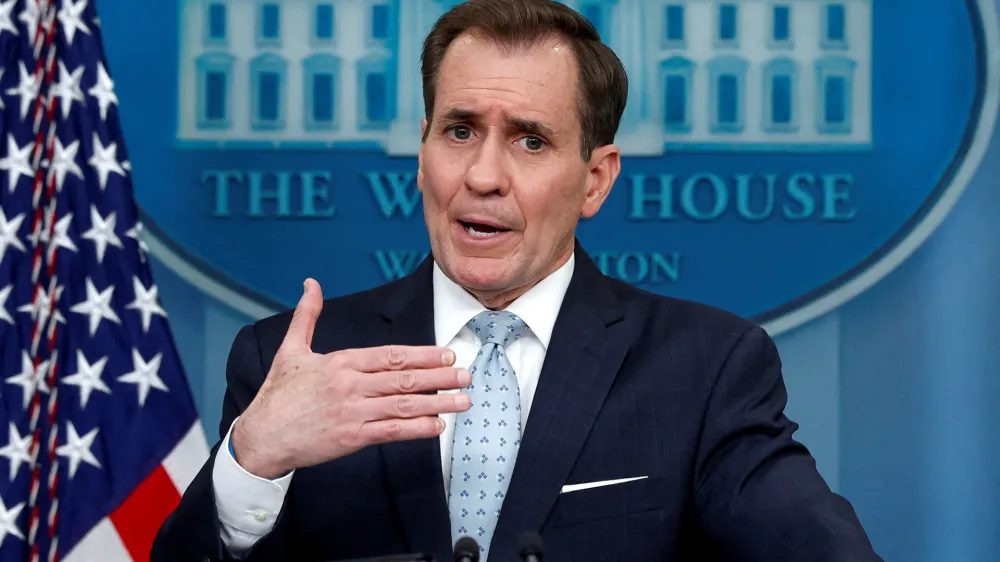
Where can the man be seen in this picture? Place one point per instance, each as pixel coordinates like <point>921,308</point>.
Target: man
<point>397,420</point>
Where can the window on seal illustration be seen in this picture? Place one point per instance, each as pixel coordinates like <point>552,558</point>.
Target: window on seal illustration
<point>595,12</point>
<point>268,24</point>
<point>834,26</point>
<point>320,92</point>
<point>728,26</point>
<point>267,101</point>
<point>726,97</point>
<point>214,71</point>
<point>673,26</point>
<point>676,74</point>
<point>780,96</point>
<point>216,24</point>
<point>781,25</point>
<point>376,104</point>
<point>324,23</point>
<point>380,23</point>
<point>835,90</point>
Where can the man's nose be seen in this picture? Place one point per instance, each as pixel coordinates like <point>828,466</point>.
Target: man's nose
<point>489,171</point>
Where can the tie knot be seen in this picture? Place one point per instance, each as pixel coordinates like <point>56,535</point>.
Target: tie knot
<point>500,327</point>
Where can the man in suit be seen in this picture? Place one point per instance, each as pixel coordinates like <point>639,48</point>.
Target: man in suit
<point>397,419</point>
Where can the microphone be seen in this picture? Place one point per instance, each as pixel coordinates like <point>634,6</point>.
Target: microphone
<point>466,550</point>
<point>530,547</point>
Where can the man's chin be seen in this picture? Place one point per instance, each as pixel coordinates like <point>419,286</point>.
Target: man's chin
<point>484,282</point>
<point>482,274</point>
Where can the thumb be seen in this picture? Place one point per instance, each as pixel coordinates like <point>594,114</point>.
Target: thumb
<point>300,330</point>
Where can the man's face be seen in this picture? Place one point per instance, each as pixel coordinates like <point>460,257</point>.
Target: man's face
<point>501,171</point>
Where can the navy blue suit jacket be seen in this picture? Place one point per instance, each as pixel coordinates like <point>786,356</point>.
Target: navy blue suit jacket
<point>633,384</point>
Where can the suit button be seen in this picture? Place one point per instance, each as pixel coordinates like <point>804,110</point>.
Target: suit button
<point>260,515</point>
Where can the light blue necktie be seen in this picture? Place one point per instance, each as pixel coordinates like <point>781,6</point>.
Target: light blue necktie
<point>488,434</point>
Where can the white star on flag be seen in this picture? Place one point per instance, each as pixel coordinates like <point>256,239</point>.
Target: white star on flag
<point>30,379</point>
<point>104,91</point>
<point>87,377</point>
<point>145,375</point>
<point>105,161</point>
<point>64,162</point>
<point>40,308</point>
<point>8,233</point>
<point>16,162</point>
<point>77,448</point>
<point>60,234</point>
<point>68,88</point>
<point>146,303</point>
<point>8,521</point>
<point>27,87</point>
<point>57,235</point>
<point>97,306</point>
<point>30,16</point>
<point>5,23</point>
<point>69,16</point>
<point>4,294</point>
<point>102,232</point>
<point>16,450</point>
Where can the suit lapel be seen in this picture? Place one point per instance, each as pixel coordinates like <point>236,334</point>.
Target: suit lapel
<point>580,365</point>
<point>414,467</point>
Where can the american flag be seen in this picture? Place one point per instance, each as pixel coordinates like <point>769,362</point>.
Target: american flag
<point>99,434</point>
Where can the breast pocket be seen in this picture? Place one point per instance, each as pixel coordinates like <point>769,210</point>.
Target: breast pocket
<point>608,501</point>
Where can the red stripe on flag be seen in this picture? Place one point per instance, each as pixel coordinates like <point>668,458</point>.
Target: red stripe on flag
<point>139,517</point>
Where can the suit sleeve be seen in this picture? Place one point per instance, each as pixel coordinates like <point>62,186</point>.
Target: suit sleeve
<point>758,493</point>
<point>193,530</point>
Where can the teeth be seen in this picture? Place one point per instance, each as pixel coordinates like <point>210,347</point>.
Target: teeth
<point>479,234</point>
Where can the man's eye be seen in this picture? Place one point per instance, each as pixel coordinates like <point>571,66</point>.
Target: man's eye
<point>461,132</point>
<point>533,143</point>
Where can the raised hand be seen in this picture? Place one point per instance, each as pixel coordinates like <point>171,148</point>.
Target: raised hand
<point>316,407</point>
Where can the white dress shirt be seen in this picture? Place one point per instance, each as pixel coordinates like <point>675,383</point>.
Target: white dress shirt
<point>249,505</point>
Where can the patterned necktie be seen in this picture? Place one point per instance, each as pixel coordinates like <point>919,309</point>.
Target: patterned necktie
<point>488,434</point>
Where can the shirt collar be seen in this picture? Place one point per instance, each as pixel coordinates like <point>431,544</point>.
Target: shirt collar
<point>538,307</point>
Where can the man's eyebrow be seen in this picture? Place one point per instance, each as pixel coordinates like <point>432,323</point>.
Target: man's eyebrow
<point>531,127</point>
<point>528,126</point>
<point>457,114</point>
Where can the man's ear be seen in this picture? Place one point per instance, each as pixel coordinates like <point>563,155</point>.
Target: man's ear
<point>420,156</point>
<point>604,166</point>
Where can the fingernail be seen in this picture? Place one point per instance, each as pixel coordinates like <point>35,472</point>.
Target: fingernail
<point>462,400</point>
<point>305,285</point>
<point>448,357</point>
<point>440,425</point>
<point>464,377</point>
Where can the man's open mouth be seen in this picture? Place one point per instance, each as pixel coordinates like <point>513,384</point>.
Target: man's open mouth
<point>481,230</point>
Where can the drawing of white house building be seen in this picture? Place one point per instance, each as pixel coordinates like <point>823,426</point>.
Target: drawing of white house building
<point>784,74</point>
<point>704,74</point>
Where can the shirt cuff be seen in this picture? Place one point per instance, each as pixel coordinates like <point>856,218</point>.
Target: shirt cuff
<point>248,505</point>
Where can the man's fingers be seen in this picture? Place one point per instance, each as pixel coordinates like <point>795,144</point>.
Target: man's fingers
<point>300,330</point>
<point>397,358</point>
<point>414,406</point>
<point>384,431</point>
<point>410,381</point>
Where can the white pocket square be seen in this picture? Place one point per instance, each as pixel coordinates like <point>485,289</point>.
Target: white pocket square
<point>599,483</point>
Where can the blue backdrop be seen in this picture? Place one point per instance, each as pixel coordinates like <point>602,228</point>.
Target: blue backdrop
<point>895,384</point>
